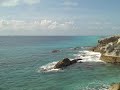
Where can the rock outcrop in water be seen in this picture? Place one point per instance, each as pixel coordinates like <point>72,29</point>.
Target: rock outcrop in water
<point>109,49</point>
<point>115,86</point>
<point>65,62</point>
<point>55,51</point>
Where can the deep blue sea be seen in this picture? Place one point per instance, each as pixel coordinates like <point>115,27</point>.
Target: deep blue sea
<point>21,58</point>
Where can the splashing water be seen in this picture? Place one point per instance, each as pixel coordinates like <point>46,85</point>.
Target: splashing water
<point>48,67</point>
<point>88,56</point>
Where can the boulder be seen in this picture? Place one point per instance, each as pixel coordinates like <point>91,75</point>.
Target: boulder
<point>76,48</point>
<point>65,62</point>
<point>115,86</point>
<point>55,51</point>
<point>74,61</point>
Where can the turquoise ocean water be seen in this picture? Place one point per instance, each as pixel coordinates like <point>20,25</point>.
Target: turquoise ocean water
<point>21,58</point>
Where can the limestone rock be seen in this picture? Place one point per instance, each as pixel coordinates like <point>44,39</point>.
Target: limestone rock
<point>109,49</point>
<point>115,86</point>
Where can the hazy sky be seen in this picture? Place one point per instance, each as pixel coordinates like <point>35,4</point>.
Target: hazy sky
<point>59,17</point>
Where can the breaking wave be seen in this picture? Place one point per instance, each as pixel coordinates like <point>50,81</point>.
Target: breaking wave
<point>48,67</point>
<point>86,56</point>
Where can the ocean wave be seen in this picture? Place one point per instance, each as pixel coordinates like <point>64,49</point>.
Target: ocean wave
<point>88,56</point>
<point>48,68</point>
<point>80,48</point>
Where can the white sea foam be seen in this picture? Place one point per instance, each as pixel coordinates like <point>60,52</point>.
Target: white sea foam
<point>88,56</point>
<point>96,85</point>
<point>48,67</point>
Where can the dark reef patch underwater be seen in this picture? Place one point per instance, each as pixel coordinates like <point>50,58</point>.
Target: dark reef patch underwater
<point>22,58</point>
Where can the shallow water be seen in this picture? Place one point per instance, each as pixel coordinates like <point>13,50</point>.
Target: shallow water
<point>22,57</point>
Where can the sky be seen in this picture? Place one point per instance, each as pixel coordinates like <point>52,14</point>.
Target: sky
<point>59,17</point>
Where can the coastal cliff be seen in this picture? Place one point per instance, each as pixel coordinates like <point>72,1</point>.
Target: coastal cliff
<point>109,49</point>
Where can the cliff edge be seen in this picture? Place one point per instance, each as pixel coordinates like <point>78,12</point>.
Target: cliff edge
<point>109,49</point>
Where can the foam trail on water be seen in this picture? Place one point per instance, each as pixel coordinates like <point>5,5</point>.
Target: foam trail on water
<point>96,85</point>
<point>48,67</point>
<point>88,56</point>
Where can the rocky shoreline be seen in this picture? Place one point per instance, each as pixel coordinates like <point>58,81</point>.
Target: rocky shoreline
<point>110,59</point>
<point>109,49</point>
<point>110,53</point>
